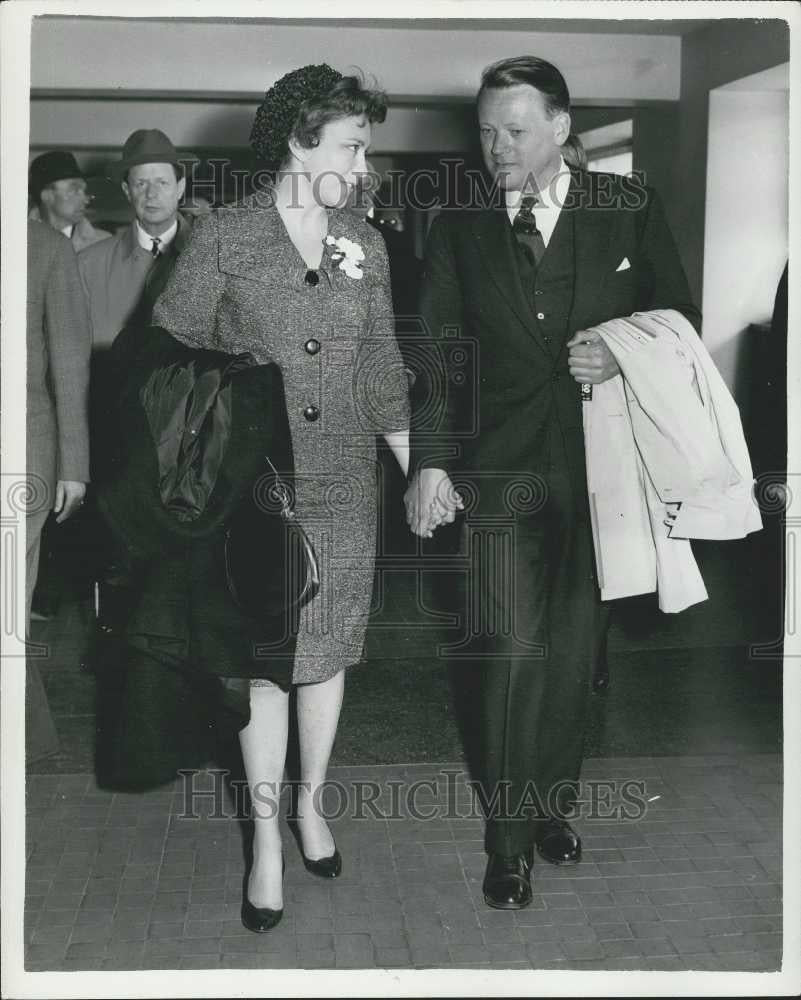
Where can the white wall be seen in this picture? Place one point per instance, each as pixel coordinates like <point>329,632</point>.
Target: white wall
<point>716,56</point>
<point>746,228</point>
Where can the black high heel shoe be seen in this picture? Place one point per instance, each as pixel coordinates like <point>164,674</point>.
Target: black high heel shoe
<point>260,919</point>
<point>330,867</point>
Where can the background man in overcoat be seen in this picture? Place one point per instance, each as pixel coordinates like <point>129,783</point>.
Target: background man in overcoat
<point>125,275</point>
<point>58,345</point>
<point>57,190</point>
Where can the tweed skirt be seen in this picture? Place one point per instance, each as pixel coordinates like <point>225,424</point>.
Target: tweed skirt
<point>337,507</point>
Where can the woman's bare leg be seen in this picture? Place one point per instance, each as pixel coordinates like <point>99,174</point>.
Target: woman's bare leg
<point>263,743</point>
<point>318,715</point>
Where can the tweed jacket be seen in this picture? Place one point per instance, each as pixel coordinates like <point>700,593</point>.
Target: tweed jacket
<point>239,250</point>
<point>242,287</point>
<point>122,280</point>
<point>58,346</point>
<point>84,234</point>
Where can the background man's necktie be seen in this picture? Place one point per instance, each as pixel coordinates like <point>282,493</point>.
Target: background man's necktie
<point>155,248</point>
<point>525,229</point>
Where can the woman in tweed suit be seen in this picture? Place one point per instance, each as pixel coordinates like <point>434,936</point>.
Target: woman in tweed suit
<point>292,277</point>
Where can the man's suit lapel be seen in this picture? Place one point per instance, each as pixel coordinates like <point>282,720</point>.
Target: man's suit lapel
<point>592,233</point>
<point>491,233</point>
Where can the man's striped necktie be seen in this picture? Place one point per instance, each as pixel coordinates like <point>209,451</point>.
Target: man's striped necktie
<point>526,231</point>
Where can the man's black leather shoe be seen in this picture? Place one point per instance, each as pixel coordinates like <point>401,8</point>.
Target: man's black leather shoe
<point>558,843</point>
<point>507,882</point>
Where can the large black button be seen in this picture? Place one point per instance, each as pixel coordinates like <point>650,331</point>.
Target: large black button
<point>311,413</point>
<point>311,278</point>
<point>312,346</point>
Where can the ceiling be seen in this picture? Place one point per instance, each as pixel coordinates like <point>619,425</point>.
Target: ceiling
<point>583,25</point>
<point>586,25</point>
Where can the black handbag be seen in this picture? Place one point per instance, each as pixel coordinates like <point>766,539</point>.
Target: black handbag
<point>271,567</point>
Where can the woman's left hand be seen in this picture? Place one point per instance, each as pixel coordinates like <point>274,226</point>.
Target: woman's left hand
<point>431,501</point>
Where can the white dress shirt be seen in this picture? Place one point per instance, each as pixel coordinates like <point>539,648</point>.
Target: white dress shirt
<point>549,203</point>
<point>146,240</point>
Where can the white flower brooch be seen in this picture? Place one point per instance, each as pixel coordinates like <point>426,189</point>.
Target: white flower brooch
<point>347,254</point>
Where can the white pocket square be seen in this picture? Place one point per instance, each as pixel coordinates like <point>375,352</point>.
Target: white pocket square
<point>623,265</point>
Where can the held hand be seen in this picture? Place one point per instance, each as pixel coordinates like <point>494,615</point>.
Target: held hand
<point>590,360</point>
<point>69,497</point>
<point>431,500</point>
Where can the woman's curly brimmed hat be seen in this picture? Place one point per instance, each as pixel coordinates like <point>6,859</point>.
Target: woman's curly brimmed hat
<point>277,115</point>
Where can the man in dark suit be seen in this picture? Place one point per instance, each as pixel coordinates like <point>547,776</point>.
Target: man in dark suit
<point>58,345</point>
<point>525,281</point>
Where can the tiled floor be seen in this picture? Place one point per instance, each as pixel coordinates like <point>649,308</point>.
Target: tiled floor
<point>126,882</point>
<point>117,882</point>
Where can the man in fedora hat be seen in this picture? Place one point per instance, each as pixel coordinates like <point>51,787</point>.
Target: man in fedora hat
<point>58,196</point>
<point>124,275</point>
<point>59,199</point>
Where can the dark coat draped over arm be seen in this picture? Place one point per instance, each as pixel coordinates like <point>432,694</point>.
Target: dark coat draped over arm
<point>192,430</point>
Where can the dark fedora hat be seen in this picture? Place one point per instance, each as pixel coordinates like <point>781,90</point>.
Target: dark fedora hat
<point>47,168</point>
<point>145,145</point>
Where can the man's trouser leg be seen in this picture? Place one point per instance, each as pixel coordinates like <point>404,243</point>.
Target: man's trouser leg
<point>534,707</point>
